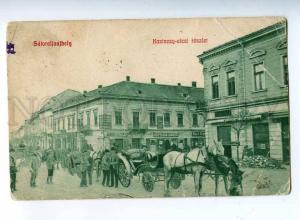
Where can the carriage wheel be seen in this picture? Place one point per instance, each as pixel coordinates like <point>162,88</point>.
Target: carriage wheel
<point>124,176</point>
<point>175,181</point>
<point>148,181</point>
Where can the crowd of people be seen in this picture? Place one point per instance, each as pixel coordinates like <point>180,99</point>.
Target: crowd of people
<point>81,162</point>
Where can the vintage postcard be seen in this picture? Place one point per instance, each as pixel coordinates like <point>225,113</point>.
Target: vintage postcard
<point>148,108</point>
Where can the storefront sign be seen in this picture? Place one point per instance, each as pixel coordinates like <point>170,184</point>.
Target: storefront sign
<point>165,134</point>
<point>197,133</point>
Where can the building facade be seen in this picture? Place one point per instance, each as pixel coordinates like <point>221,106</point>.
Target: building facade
<point>246,93</point>
<point>126,114</point>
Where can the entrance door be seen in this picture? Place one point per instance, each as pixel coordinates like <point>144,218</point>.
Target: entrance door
<point>285,135</point>
<point>261,139</point>
<point>224,135</point>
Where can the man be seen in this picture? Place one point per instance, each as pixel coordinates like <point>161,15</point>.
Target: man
<point>50,165</point>
<point>35,165</point>
<point>114,167</point>
<point>90,167</point>
<point>105,165</point>
<point>84,165</point>
<point>13,171</point>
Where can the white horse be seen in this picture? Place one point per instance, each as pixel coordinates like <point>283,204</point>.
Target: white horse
<point>193,162</point>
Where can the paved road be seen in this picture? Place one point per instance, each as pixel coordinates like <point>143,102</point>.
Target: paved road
<point>66,186</point>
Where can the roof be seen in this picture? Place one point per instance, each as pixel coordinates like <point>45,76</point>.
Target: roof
<point>277,28</point>
<point>139,91</point>
<point>57,100</point>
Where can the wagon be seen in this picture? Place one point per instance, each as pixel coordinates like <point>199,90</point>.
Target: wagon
<point>147,165</point>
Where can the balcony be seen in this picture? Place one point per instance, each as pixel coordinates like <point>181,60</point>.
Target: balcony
<point>137,128</point>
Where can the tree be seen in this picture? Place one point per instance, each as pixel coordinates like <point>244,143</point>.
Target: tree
<point>239,123</point>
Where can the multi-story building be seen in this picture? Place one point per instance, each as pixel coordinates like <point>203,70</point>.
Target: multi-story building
<point>130,115</point>
<point>246,91</point>
<point>127,114</point>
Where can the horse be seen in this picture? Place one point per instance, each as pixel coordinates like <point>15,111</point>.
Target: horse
<point>197,162</point>
<point>192,162</point>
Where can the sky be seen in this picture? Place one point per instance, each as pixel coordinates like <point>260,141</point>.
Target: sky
<point>104,52</point>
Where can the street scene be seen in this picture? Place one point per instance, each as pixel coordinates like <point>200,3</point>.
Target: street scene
<point>225,132</point>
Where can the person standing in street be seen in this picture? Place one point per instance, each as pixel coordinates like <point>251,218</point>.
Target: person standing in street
<point>50,165</point>
<point>114,167</point>
<point>13,172</point>
<point>35,165</point>
<point>105,165</point>
<point>84,166</point>
<point>90,167</point>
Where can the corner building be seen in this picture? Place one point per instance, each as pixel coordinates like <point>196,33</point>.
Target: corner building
<point>249,75</point>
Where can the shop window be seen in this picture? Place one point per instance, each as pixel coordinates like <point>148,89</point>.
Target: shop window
<point>231,83</point>
<point>118,118</point>
<point>215,87</point>
<point>136,143</point>
<point>259,77</point>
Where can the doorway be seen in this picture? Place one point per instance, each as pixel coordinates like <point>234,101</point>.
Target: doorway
<point>224,135</point>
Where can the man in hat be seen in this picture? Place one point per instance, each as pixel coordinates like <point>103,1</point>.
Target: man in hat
<point>114,167</point>
<point>105,165</point>
<point>84,166</point>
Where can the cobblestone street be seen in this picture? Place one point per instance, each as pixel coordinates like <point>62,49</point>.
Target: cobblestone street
<point>66,186</point>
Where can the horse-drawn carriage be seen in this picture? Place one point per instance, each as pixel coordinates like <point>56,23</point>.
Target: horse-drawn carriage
<point>147,165</point>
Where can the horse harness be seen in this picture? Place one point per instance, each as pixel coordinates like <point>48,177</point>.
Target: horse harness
<point>186,158</point>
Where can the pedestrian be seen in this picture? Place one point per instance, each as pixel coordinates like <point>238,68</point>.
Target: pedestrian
<point>90,167</point>
<point>35,165</point>
<point>57,155</point>
<point>105,164</point>
<point>50,165</point>
<point>114,168</point>
<point>83,166</point>
<point>13,172</point>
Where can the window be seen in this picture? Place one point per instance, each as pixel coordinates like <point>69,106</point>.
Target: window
<point>231,83</point>
<point>180,119</point>
<point>95,113</point>
<point>136,119</point>
<point>285,70</point>
<point>73,121</point>
<point>195,120</point>
<point>215,87</point>
<point>88,118</point>
<point>152,118</point>
<point>54,125</point>
<point>63,123</point>
<point>222,113</point>
<point>69,123</point>
<point>167,119</point>
<point>118,118</point>
<point>259,77</point>
<point>80,120</point>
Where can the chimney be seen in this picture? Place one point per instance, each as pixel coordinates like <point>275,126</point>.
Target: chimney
<point>127,78</point>
<point>178,84</point>
<point>153,80</point>
<point>194,84</point>
<point>99,86</point>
